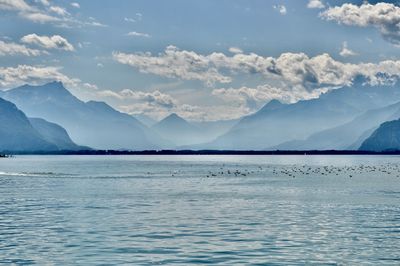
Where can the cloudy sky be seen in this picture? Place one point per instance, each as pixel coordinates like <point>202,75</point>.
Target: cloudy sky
<point>204,60</point>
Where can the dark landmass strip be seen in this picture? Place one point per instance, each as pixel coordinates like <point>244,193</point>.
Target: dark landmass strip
<point>205,152</point>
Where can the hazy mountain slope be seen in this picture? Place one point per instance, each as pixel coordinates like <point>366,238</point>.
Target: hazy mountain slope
<point>345,136</point>
<point>17,133</point>
<point>357,144</point>
<point>145,120</point>
<point>214,129</point>
<point>54,134</point>
<point>386,137</point>
<point>277,123</point>
<point>93,124</point>
<point>178,130</point>
<point>187,135</point>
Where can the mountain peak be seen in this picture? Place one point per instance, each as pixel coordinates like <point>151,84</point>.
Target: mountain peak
<point>56,83</point>
<point>177,130</point>
<point>98,104</point>
<point>94,124</point>
<point>51,88</point>
<point>53,84</point>
<point>103,108</point>
<point>173,120</point>
<point>173,117</point>
<point>272,105</point>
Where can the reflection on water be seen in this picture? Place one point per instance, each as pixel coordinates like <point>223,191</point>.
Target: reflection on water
<point>228,210</point>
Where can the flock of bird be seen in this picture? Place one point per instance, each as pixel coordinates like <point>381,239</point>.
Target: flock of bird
<point>349,171</point>
<point>294,171</point>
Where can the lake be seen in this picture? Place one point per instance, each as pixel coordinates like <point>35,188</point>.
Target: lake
<point>197,210</point>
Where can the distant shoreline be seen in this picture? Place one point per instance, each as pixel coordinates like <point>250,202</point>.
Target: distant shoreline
<point>201,152</point>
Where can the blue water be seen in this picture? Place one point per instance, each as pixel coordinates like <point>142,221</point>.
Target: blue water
<point>196,210</point>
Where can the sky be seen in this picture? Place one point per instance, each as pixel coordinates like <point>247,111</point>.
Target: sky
<point>205,60</point>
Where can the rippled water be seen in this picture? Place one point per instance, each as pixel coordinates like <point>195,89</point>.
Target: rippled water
<point>227,210</point>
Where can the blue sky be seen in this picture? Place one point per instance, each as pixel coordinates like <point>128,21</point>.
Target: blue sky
<point>206,59</point>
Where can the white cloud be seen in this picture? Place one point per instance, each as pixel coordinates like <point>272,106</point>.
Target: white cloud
<point>136,18</point>
<point>235,50</point>
<point>38,17</point>
<point>43,2</point>
<point>59,10</point>
<point>15,5</point>
<point>384,16</point>
<point>252,99</point>
<point>138,34</point>
<point>15,49</point>
<point>11,77</point>
<point>155,98</point>
<point>346,52</point>
<point>292,69</point>
<point>154,103</point>
<point>76,5</point>
<point>290,77</point>
<point>95,24</point>
<point>46,13</point>
<point>130,20</point>
<point>315,4</point>
<point>15,76</point>
<point>174,63</point>
<point>158,105</point>
<point>48,42</point>
<point>27,11</point>
<point>281,8</point>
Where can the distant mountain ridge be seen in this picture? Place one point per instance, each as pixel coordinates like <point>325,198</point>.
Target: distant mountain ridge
<point>177,130</point>
<point>277,123</point>
<point>94,124</point>
<point>271,106</point>
<point>145,120</point>
<point>19,133</point>
<point>347,136</point>
<point>386,137</point>
<point>341,119</point>
<point>186,135</point>
<point>55,134</point>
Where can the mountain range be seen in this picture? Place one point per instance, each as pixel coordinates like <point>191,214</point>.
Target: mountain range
<point>348,136</point>
<point>178,130</point>
<point>277,123</point>
<point>93,124</point>
<point>184,133</point>
<point>145,119</point>
<point>384,138</point>
<point>20,133</point>
<point>50,118</point>
<point>55,134</point>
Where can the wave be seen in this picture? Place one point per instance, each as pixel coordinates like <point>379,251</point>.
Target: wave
<point>38,174</point>
<point>12,174</point>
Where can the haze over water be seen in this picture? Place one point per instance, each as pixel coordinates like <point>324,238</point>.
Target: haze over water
<point>196,210</point>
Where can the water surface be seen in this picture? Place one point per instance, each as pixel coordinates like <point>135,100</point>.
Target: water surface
<point>196,210</point>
